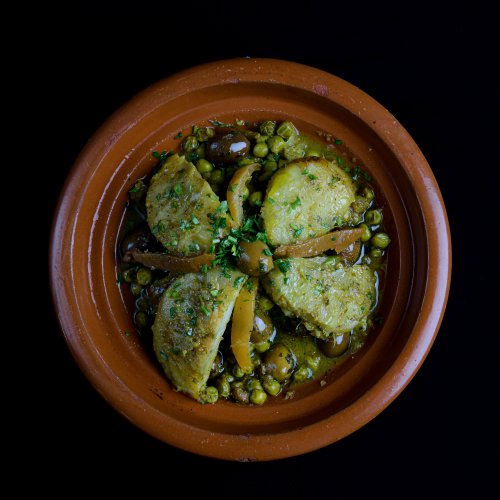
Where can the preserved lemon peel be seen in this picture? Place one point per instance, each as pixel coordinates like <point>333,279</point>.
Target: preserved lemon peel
<point>173,263</point>
<point>235,190</point>
<point>243,314</point>
<point>336,240</point>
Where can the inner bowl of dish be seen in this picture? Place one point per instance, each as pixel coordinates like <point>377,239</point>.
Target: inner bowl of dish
<point>95,313</point>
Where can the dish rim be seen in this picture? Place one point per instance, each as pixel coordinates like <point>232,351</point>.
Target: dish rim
<point>411,357</point>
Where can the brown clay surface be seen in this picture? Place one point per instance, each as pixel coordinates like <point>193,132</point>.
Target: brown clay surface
<point>93,311</point>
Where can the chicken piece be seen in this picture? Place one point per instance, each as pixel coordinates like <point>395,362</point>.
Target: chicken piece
<point>305,198</point>
<point>329,297</point>
<point>178,204</point>
<point>187,332</point>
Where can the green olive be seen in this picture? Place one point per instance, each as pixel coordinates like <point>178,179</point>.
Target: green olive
<point>260,150</point>
<point>203,166</point>
<point>228,148</point>
<point>270,166</point>
<point>141,319</point>
<point>190,143</point>
<point>136,289</point>
<point>267,127</point>
<point>334,346</point>
<point>265,303</point>
<point>255,199</point>
<point>205,133</point>
<point>129,275</point>
<point>276,144</point>
<point>245,193</point>
<point>271,386</point>
<point>142,304</point>
<point>261,139</point>
<point>293,152</point>
<point>262,347</point>
<point>373,217</point>
<point>216,366</point>
<point>278,362</point>
<point>258,397</point>
<point>216,177</point>
<point>211,395</point>
<point>380,240</point>
<point>238,372</point>
<point>263,328</point>
<point>286,130</point>
<point>223,387</point>
<point>312,362</point>
<point>253,257</point>
<point>313,153</point>
<point>301,374</point>
<point>144,276</point>
<point>367,234</point>
<point>376,253</point>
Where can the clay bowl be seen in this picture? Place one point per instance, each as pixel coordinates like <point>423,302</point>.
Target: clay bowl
<point>94,312</point>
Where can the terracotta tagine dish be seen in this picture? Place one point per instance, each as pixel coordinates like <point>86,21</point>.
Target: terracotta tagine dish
<point>98,314</point>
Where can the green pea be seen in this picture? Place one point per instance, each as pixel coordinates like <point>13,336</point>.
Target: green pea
<point>216,177</point>
<point>276,144</point>
<point>266,176</point>
<point>237,384</point>
<point>255,199</point>
<point>270,166</point>
<point>136,289</point>
<point>142,304</point>
<point>205,133</point>
<point>311,362</point>
<point>265,303</point>
<point>206,176</point>
<point>144,276</point>
<point>313,153</point>
<point>301,374</point>
<point>262,346</point>
<point>373,217</point>
<point>368,194</point>
<point>272,156</point>
<point>282,163</point>
<point>245,193</point>
<point>228,376</point>
<point>203,166</point>
<point>128,275</point>
<point>376,253</point>
<point>271,386</point>
<point>380,240</point>
<point>190,143</point>
<point>260,150</point>
<point>367,234</point>
<point>200,150</point>
<point>141,319</point>
<point>211,395</point>
<point>238,372</point>
<point>267,127</point>
<point>286,130</point>
<point>253,384</point>
<point>258,397</point>
<point>356,218</point>
<point>262,138</point>
<point>223,387</point>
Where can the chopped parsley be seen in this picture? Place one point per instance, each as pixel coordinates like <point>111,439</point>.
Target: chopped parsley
<point>206,311</point>
<point>271,201</point>
<point>174,351</point>
<point>338,141</point>
<point>378,320</point>
<point>163,355</point>
<point>178,136</point>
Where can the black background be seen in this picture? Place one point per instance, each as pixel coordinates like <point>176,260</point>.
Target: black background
<point>432,67</point>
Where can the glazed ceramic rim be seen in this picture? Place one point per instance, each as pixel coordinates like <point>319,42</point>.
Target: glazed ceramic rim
<point>371,403</point>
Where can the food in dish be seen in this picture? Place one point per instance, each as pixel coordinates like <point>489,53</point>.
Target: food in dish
<point>255,255</point>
